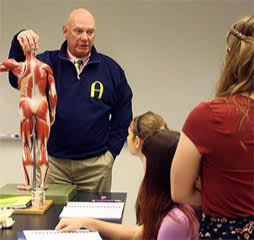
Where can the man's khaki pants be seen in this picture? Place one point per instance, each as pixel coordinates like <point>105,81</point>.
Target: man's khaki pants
<point>92,174</point>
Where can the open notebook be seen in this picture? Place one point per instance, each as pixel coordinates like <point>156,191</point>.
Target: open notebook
<point>56,235</point>
<point>101,210</point>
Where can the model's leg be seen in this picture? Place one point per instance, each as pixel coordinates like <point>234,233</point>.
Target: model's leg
<point>43,129</point>
<point>26,129</point>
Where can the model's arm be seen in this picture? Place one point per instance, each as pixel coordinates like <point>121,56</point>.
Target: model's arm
<point>121,117</point>
<point>25,39</point>
<point>3,68</point>
<point>52,94</point>
<point>17,69</point>
<point>185,171</point>
<point>106,229</point>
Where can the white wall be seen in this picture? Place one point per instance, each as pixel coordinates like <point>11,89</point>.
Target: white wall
<point>171,51</point>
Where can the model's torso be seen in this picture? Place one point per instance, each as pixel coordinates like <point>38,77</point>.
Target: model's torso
<point>34,80</point>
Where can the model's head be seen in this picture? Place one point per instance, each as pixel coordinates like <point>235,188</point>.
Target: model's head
<point>142,127</point>
<point>238,73</point>
<point>79,31</point>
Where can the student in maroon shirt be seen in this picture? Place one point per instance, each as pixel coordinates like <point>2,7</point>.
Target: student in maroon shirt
<point>217,140</point>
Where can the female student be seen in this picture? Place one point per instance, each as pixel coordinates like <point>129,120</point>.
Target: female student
<point>218,139</point>
<point>158,216</point>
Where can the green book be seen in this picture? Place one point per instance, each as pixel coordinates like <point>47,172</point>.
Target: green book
<point>60,194</point>
<point>15,201</point>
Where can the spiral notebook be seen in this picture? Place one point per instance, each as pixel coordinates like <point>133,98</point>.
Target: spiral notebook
<point>56,235</point>
<point>100,210</point>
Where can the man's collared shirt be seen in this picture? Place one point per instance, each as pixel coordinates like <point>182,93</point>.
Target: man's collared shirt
<point>72,58</point>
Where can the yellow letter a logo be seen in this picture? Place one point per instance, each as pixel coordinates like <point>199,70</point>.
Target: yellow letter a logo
<point>100,89</point>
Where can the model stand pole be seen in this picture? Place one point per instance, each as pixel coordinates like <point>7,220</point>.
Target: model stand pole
<point>34,154</point>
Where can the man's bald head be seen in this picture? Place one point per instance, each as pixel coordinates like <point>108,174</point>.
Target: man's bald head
<point>79,32</point>
<point>80,13</point>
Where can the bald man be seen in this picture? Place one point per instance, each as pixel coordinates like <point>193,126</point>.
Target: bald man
<point>94,105</point>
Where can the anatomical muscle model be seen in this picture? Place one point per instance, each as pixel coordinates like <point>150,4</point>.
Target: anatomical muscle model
<point>34,79</point>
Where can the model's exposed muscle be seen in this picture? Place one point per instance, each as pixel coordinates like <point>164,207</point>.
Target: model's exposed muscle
<point>34,78</point>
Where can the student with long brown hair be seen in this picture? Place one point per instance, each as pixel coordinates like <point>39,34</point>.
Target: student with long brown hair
<point>217,140</point>
<point>158,216</point>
